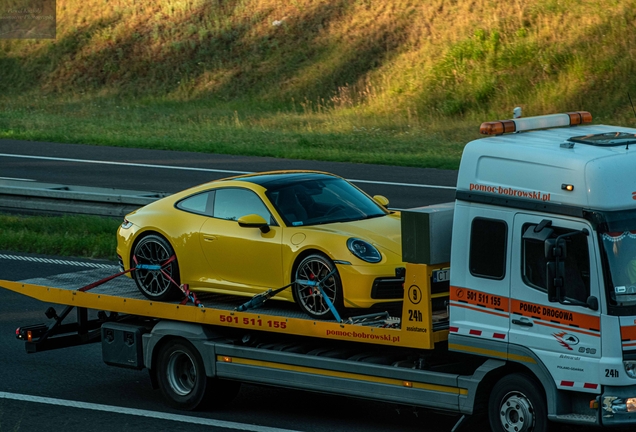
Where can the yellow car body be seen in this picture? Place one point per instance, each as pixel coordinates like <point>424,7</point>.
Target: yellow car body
<point>240,256</point>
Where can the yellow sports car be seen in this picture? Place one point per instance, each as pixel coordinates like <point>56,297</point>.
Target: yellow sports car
<point>314,231</point>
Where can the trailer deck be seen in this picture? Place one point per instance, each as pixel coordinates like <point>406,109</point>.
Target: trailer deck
<point>416,328</point>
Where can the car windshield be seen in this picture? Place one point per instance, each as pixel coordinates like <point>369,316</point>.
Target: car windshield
<point>620,251</point>
<point>321,201</point>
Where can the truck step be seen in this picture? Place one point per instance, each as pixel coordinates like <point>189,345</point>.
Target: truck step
<point>576,418</point>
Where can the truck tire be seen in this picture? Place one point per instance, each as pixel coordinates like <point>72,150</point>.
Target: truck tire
<point>183,382</point>
<point>517,403</point>
<point>160,285</point>
<point>181,375</point>
<point>311,269</point>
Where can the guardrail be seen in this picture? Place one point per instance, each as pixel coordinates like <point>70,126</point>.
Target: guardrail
<point>50,198</point>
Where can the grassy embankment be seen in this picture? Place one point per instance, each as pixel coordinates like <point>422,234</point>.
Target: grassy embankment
<point>397,82</point>
<point>80,236</point>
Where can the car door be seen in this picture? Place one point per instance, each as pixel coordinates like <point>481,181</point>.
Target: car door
<point>566,337</point>
<point>239,258</point>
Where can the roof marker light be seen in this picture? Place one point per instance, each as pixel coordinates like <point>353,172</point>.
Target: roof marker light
<point>537,122</point>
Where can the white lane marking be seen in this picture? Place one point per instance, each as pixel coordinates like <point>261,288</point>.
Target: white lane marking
<point>16,179</point>
<point>57,261</point>
<point>140,413</point>
<point>130,164</point>
<point>403,184</point>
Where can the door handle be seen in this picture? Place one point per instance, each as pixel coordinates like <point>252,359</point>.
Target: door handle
<point>523,322</point>
<point>209,238</point>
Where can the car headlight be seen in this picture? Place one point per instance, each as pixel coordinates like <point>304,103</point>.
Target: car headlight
<point>630,368</point>
<point>364,250</point>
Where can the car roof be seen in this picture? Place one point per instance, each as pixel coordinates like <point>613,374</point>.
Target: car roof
<point>277,179</point>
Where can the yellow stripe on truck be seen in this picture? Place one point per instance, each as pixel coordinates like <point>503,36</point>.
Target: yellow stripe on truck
<point>491,353</point>
<point>347,375</point>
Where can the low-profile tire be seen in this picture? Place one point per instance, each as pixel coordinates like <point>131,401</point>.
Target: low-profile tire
<point>517,403</point>
<point>181,377</point>
<point>160,285</point>
<point>314,268</point>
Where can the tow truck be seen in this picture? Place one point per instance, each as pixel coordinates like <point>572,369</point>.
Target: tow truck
<point>519,300</point>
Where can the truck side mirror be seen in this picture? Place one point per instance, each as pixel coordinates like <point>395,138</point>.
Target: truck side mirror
<point>555,272</point>
<point>555,248</point>
<point>539,232</point>
<point>555,254</point>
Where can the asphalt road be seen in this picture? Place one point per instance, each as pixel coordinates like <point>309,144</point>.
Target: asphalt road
<point>73,390</point>
<point>166,171</point>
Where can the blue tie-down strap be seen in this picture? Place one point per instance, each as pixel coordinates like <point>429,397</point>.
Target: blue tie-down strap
<point>148,267</point>
<point>317,284</point>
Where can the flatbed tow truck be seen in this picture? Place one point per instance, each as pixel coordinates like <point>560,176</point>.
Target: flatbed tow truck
<point>534,324</point>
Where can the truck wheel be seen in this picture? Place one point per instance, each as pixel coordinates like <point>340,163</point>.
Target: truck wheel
<point>312,269</point>
<point>156,284</point>
<point>517,404</point>
<point>183,382</point>
<point>181,375</point>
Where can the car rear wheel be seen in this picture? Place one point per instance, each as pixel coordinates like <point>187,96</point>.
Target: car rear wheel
<point>312,286</point>
<point>160,282</point>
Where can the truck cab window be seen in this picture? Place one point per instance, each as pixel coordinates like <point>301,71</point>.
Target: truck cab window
<point>576,263</point>
<point>488,239</point>
<point>620,252</point>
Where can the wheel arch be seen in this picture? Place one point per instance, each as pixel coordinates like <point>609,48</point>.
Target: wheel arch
<point>140,236</point>
<point>166,332</point>
<point>487,384</point>
<point>304,254</point>
<point>512,359</point>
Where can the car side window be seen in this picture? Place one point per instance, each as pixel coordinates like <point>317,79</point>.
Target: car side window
<point>233,203</point>
<point>201,203</point>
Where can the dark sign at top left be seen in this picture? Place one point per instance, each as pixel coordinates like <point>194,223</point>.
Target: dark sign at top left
<point>27,19</point>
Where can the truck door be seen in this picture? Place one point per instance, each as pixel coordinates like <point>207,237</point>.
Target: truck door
<point>565,337</point>
<point>480,289</point>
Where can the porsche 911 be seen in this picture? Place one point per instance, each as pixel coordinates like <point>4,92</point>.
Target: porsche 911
<point>315,232</point>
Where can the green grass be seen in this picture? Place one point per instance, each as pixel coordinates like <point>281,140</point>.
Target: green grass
<point>394,82</point>
<point>230,129</point>
<point>79,236</point>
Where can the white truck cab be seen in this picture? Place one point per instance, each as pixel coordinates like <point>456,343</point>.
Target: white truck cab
<point>543,266</point>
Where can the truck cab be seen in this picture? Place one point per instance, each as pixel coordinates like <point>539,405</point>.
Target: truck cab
<point>543,272</point>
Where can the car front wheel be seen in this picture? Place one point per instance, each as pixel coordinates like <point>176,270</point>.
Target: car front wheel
<point>317,279</point>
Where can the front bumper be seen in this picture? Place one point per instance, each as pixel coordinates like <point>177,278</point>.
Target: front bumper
<point>358,282</point>
<point>618,406</point>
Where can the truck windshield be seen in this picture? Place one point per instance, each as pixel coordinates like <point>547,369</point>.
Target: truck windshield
<point>620,254</point>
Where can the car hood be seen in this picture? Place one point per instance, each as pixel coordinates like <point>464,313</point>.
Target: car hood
<point>383,232</point>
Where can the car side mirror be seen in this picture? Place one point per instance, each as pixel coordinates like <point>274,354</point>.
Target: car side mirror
<point>382,200</point>
<point>254,221</point>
